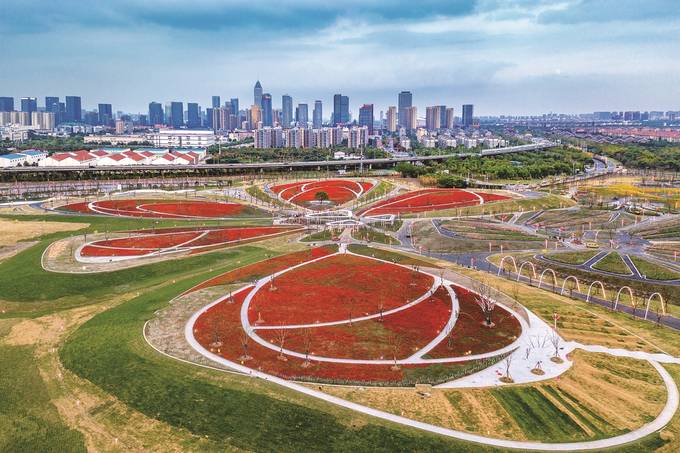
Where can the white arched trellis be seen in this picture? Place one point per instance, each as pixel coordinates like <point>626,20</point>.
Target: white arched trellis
<point>564,284</point>
<point>514,263</point>
<point>618,295</point>
<point>604,293</point>
<point>649,299</point>
<point>521,266</point>
<point>554,276</point>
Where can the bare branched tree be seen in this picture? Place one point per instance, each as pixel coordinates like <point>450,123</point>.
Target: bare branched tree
<point>508,362</point>
<point>245,339</point>
<point>281,335</point>
<point>395,342</point>
<point>381,309</point>
<point>484,300</point>
<point>449,337</point>
<point>307,346</point>
<point>555,341</point>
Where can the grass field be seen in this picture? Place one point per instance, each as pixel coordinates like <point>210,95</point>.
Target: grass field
<point>652,270</point>
<point>28,420</point>
<point>369,234</point>
<point>399,258</point>
<point>575,258</point>
<point>256,192</point>
<point>613,263</point>
<point>582,219</point>
<point>14,231</point>
<point>518,204</point>
<point>323,235</point>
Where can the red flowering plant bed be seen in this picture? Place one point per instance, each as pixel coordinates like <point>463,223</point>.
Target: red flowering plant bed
<point>219,330</point>
<point>167,209</point>
<point>373,339</point>
<point>329,289</point>
<point>261,269</point>
<point>431,200</point>
<point>469,336</point>
<point>339,191</point>
<point>187,240</point>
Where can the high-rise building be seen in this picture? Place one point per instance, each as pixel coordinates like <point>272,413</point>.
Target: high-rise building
<point>176,119</point>
<point>468,114</point>
<point>6,104</point>
<point>29,105</point>
<point>254,116</point>
<point>267,118</point>
<point>411,118</point>
<point>302,115</point>
<point>257,94</point>
<point>155,113</point>
<point>391,122</point>
<point>366,117</point>
<point>442,116</point>
<point>73,109</point>
<point>286,110</point>
<point>105,114</point>
<point>358,137</point>
<point>233,102</point>
<point>340,109</point>
<point>405,101</point>
<point>433,117</point>
<point>216,102</point>
<point>449,118</point>
<point>317,115</point>
<point>193,115</point>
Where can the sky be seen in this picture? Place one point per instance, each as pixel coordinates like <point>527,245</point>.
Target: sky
<point>505,57</point>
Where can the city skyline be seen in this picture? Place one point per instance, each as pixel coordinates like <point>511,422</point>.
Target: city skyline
<point>504,57</point>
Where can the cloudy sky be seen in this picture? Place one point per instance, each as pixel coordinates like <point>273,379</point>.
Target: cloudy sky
<point>513,57</point>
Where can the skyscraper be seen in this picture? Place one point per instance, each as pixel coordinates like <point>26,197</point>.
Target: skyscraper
<point>405,101</point>
<point>391,118</point>
<point>267,110</point>
<point>176,114</point>
<point>433,117</point>
<point>216,102</point>
<point>302,115</point>
<point>73,109</point>
<point>286,110</point>
<point>104,114</point>
<point>442,116</point>
<point>366,117</point>
<point>449,118</point>
<point>257,94</point>
<point>29,105</point>
<point>155,113</point>
<point>233,102</point>
<point>254,116</point>
<point>317,115</point>
<point>468,113</point>
<point>6,104</point>
<point>193,115</point>
<point>340,109</point>
<point>411,114</point>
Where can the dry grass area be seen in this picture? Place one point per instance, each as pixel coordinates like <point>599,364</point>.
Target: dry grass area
<point>13,231</point>
<point>21,209</point>
<point>600,396</point>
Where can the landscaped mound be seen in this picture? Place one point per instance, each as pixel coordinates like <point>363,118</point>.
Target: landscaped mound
<point>345,318</point>
<point>432,200</point>
<point>166,209</point>
<point>337,192</point>
<point>173,240</point>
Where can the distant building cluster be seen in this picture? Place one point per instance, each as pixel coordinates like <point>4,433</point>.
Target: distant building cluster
<point>124,157</point>
<point>355,137</point>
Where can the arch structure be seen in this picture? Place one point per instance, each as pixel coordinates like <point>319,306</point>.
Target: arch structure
<point>564,284</point>
<point>618,295</point>
<point>512,259</point>
<point>521,266</point>
<point>590,288</point>
<point>554,276</point>
<point>649,300</point>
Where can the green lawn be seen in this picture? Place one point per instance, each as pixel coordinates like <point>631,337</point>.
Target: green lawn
<point>613,263</point>
<point>575,258</point>
<point>229,412</point>
<point>256,192</point>
<point>386,255</point>
<point>323,235</point>
<point>652,270</point>
<point>371,235</point>
<point>28,420</point>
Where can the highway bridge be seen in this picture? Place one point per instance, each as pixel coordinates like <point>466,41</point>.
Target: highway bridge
<point>7,173</point>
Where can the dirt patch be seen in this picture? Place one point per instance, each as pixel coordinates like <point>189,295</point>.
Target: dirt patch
<point>14,231</point>
<point>9,251</point>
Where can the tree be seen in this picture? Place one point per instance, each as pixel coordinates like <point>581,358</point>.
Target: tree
<point>307,346</point>
<point>245,338</point>
<point>281,335</point>
<point>321,196</point>
<point>394,342</point>
<point>483,299</point>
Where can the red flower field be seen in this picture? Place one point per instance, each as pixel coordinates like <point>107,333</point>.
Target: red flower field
<point>329,289</point>
<point>178,240</point>
<point>220,330</point>
<point>431,200</point>
<point>339,191</point>
<point>166,209</point>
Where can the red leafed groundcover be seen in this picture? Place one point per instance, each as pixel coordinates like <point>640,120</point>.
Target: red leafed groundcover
<point>168,209</point>
<point>339,191</point>
<point>431,200</point>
